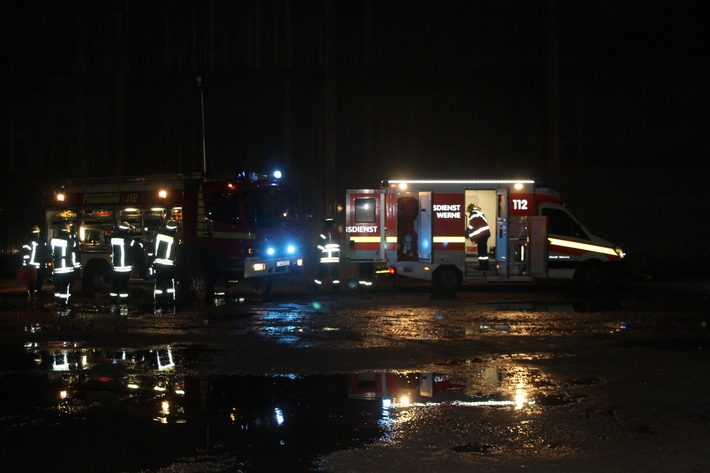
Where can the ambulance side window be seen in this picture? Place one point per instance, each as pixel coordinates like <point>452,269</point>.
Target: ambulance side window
<point>561,223</point>
<point>224,208</point>
<point>365,210</point>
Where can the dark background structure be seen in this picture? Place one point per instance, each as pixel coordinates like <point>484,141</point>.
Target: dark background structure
<point>606,101</point>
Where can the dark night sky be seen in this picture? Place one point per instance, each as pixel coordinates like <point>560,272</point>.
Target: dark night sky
<point>603,99</point>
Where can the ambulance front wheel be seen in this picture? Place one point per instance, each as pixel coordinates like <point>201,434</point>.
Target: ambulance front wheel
<point>588,278</point>
<point>447,279</point>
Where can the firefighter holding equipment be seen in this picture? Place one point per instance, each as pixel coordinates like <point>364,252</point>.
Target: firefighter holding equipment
<point>478,232</point>
<point>122,258</point>
<point>34,259</point>
<point>65,260</point>
<point>164,249</point>
<point>329,247</point>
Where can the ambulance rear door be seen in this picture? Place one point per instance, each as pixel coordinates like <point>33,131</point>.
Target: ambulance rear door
<point>365,227</point>
<point>425,227</point>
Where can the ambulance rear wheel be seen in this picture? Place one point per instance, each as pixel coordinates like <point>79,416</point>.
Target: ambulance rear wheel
<point>447,279</point>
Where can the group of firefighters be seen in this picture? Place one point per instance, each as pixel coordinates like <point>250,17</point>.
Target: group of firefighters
<point>62,252</point>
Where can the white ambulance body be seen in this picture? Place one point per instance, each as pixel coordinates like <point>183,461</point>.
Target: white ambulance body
<point>418,228</point>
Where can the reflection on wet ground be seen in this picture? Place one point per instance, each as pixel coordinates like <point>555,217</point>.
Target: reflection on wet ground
<point>131,410</point>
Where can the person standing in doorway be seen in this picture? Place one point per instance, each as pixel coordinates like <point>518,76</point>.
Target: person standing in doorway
<point>478,232</point>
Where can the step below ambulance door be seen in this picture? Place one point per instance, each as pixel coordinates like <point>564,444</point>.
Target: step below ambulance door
<point>365,225</point>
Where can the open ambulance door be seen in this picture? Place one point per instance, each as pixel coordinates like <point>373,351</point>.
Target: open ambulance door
<point>502,215</point>
<point>365,225</point>
<point>538,246</point>
<point>425,227</point>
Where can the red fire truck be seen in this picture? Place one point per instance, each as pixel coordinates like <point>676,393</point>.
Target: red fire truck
<point>230,230</point>
<point>418,228</point>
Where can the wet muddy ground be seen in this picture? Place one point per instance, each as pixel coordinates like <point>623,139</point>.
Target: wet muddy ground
<point>497,378</point>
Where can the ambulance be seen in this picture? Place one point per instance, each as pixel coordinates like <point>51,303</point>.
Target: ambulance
<point>243,227</point>
<point>420,229</point>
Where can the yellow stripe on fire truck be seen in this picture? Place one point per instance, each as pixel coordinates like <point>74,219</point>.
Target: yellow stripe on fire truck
<point>449,239</point>
<point>365,239</point>
<point>582,246</point>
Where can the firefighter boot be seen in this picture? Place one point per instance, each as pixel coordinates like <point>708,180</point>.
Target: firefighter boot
<point>482,265</point>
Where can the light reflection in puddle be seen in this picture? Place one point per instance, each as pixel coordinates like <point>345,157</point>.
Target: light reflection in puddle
<point>267,422</point>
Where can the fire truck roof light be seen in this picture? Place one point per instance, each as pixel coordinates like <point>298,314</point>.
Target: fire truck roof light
<point>60,197</point>
<point>162,193</point>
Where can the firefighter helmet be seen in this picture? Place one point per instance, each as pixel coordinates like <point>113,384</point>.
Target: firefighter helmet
<point>35,229</point>
<point>125,226</point>
<point>66,227</point>
<point>472,208</point>
<point>171,225</point>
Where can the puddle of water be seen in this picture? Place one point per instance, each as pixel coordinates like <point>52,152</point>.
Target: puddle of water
<point>130,410</point>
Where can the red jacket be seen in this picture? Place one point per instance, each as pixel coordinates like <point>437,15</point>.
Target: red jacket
<point>478,226</point>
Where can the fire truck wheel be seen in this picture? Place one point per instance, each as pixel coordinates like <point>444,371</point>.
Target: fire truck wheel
<point>262,285</point>
<point>447,279</point>
<point>201,286</point>
<point>96,278</point>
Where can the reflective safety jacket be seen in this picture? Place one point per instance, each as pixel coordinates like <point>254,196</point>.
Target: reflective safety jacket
<point>329,245</point>
<point>478,226</point>
<point>65,253</point>
<point>122,253</point>
<point>164,251</point>
<point>34,253</point>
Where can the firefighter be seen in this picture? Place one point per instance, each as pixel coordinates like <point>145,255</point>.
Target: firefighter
<point>122,258</point>
<point>164,248</point>
<point>478,232</point>
<point>65,260</point>
<point>34,255</point>
<point>329,247</point>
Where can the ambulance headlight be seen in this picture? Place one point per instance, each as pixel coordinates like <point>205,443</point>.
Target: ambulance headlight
<point>619,252</point>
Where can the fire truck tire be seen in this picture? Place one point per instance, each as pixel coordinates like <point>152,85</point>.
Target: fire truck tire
<point>447,279</point>
<point>201,286</point>
<point>96,278</point>
<point>262,285</point>
<point>588,278</point>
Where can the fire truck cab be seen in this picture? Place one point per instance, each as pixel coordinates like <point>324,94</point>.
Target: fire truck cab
<point>418,228</point>
<point>243,228</point>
